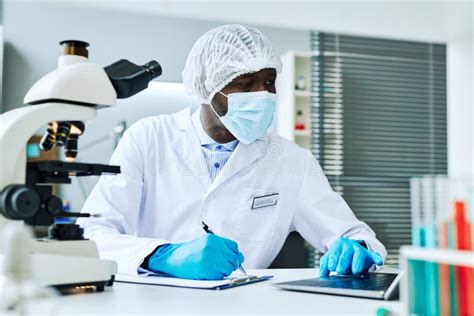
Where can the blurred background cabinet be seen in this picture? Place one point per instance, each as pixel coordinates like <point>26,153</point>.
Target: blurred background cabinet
<point>294,98</point>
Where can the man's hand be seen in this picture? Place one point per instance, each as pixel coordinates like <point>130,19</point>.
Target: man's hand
<point>348,256</point>
<point>209,257</point>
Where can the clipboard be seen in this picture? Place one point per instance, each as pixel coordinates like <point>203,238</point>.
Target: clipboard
<point>162,280</point>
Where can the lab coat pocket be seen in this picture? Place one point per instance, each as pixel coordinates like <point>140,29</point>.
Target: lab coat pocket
<point>257,215</point>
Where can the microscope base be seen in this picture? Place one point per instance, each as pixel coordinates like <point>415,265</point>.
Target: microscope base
<point>71,263</point>
<point>72,271</point>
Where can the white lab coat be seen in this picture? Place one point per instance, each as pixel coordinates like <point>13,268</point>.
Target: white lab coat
<point>164,192</point>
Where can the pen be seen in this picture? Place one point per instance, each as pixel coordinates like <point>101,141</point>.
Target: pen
<point>208,230</point>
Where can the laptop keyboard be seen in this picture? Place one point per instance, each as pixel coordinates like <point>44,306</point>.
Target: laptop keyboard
<point>369,282</point>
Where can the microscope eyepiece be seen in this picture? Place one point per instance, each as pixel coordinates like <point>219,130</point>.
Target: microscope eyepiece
<point>154,68</point>
<point>129,79</point>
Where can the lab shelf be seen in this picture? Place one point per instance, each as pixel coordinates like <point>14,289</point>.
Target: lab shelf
<point>294,104</point>
<point>302,133</point>
<point>437,255</point>
<point>303,93</point>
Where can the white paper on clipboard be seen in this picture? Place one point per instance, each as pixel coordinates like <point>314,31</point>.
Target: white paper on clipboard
<point>156,279</point>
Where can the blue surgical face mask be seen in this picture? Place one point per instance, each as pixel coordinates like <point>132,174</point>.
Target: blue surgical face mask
<point>249,114</point>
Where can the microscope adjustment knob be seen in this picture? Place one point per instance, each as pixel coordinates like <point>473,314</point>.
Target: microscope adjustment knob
<point>54,205</point>
<point>19,202</point>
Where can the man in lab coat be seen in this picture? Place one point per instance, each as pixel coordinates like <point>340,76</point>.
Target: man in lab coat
<point>219,165</point>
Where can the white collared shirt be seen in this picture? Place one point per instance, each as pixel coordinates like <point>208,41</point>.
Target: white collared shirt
<point>215,154</point>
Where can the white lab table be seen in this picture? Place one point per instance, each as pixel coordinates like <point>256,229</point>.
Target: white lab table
<point>258,298</point>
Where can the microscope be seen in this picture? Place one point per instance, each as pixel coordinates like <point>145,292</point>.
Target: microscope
<point>64,99</point>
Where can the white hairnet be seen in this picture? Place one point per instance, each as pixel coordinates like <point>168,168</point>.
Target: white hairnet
<point>224,53</point>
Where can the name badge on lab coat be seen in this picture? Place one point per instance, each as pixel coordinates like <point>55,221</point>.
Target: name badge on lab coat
<point>264,201</point>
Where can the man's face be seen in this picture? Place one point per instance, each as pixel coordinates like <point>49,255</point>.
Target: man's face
<point>263,80</point>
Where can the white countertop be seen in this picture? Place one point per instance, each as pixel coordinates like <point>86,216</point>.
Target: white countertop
<point>258,298</point>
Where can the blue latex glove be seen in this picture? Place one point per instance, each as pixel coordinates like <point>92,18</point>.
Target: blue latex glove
<point>209,257</point>
<point>348,256</point>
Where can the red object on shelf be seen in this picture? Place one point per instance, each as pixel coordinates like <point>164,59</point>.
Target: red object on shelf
<point>465,275</point>
<point>299,126</point>
<point>444,291</point>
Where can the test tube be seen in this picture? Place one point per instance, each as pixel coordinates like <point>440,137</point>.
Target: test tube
<point>447,287</point>
<point>463,240</point>
<point>429,224</point>
<point>417,232</point>
<point>416,268</point>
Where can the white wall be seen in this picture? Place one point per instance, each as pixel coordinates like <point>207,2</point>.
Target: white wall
<point>460,106</point>
<point>407,19</point>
